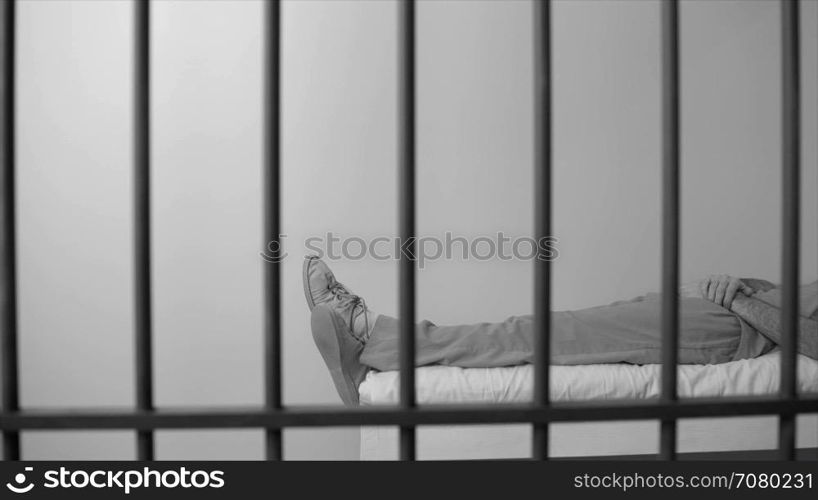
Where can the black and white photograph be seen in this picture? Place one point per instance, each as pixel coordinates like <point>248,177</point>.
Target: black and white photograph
<point>408,230</point>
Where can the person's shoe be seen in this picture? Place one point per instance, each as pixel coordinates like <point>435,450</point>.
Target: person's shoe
<point>341,351</point>
<point>318,281</point>
<point>321,287</point>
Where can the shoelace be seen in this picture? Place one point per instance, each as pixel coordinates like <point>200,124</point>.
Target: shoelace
<point>357,307</point>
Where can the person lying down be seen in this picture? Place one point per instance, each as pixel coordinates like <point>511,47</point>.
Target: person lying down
<point>721,319</point>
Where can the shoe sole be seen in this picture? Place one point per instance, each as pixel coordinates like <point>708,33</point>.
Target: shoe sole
<point>305,272</point>
<point>339,351</point>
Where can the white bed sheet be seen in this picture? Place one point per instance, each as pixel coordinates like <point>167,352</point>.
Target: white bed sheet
<point>441,384</point>
<point>437,384</point>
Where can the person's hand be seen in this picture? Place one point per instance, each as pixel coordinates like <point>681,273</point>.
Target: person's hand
<point>722,289</point>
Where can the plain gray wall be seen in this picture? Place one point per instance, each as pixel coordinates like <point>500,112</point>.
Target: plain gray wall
<point>339,161</point>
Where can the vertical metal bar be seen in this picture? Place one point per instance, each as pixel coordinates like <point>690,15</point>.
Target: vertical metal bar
<point>542,217</point>
<point>406,196</point>
<point>670,218</point>
<point>142,223</point>
<point>271,140</point>
<point>790,224</point>
<point>8,231</point>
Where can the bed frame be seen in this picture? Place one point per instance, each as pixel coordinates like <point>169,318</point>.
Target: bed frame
<point>145,418</point>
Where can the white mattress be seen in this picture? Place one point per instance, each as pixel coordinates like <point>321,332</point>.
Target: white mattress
<point>438,384</point>
<point>441,384</point>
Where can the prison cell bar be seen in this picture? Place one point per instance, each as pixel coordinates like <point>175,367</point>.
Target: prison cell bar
<point>670,219</point>
<point>406,215</point>
<point>142,223</point>
<point>271,141</point>
<point>316,416</point>
<point>8,233</point>
<point>542,219</point>
<point>790,224</point>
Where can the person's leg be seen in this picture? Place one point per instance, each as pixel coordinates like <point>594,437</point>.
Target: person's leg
<point>631,332</point>
<point>482,345</point>
<point>628,331</point>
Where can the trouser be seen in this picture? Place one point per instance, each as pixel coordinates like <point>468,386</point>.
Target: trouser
<point>627,331</point>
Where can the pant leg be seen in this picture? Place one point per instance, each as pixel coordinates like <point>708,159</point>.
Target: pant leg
<point>628,331</point>
<point>482,345</point>
<point>631,332</point>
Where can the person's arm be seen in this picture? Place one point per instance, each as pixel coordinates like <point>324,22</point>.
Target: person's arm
<point>758,285</point>
<point>767,320</point>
